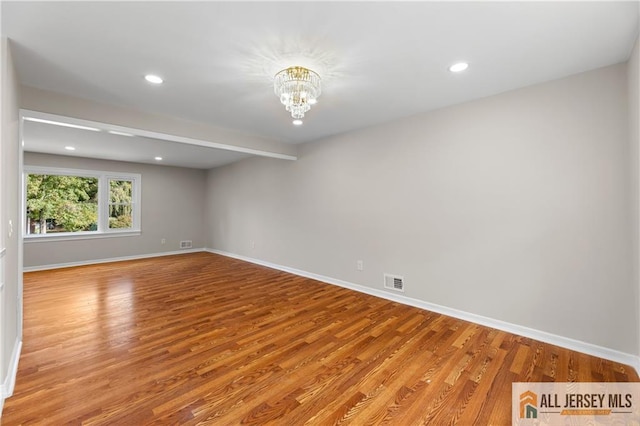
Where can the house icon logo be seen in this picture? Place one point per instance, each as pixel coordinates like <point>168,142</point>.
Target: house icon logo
<point>528,405</point>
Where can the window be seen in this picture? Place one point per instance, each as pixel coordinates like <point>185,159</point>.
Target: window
<point>72,203</point>
<point>120,203</point>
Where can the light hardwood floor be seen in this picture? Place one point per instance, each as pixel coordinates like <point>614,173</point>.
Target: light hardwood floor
<point>204,339</point>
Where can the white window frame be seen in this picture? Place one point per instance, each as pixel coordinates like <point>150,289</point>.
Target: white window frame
<point>103,177</point>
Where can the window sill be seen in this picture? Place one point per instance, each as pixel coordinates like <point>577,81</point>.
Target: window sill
<point>78,236</point>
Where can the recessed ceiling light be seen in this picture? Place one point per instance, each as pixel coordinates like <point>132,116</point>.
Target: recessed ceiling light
<point>158,158</point>
<point>58,123</point>
<point>297,122</point>
<point>70,148</point>
<point>153,79</point>
<point>459,67</point>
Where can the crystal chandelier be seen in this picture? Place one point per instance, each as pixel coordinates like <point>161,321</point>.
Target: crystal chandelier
<point>298,88</point>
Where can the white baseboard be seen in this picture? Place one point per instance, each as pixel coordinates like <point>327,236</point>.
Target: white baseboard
<point>554,339</point>
<point>10,381</point>
<point>108,260</point>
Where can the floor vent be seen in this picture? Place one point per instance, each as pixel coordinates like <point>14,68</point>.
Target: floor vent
<point>186,244</point>
<point>394,282</point>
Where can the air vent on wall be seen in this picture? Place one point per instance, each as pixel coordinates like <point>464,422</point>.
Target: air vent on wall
<point>186,244</point>
<point>394,282</point>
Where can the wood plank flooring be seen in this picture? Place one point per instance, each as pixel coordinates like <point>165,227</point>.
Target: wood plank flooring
<point>204,339</point>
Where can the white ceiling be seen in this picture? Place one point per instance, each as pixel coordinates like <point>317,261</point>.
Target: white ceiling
<point>53,139</point>
<point>378,60</point>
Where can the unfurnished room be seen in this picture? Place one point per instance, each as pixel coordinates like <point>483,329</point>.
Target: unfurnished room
<point>319,213</point>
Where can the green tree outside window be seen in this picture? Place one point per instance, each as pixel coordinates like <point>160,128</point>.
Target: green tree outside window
<point>120,204</point>
<point>58,203</point>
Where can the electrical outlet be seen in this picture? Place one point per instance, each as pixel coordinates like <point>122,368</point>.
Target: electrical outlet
<point>163,241</point>
<point>360,265</point>
<point>253,244</point>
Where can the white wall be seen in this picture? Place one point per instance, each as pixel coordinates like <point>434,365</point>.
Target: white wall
<point>633,76</point>
<point>10,293</point>
<point>514,207</point>
<point>172,208</point>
